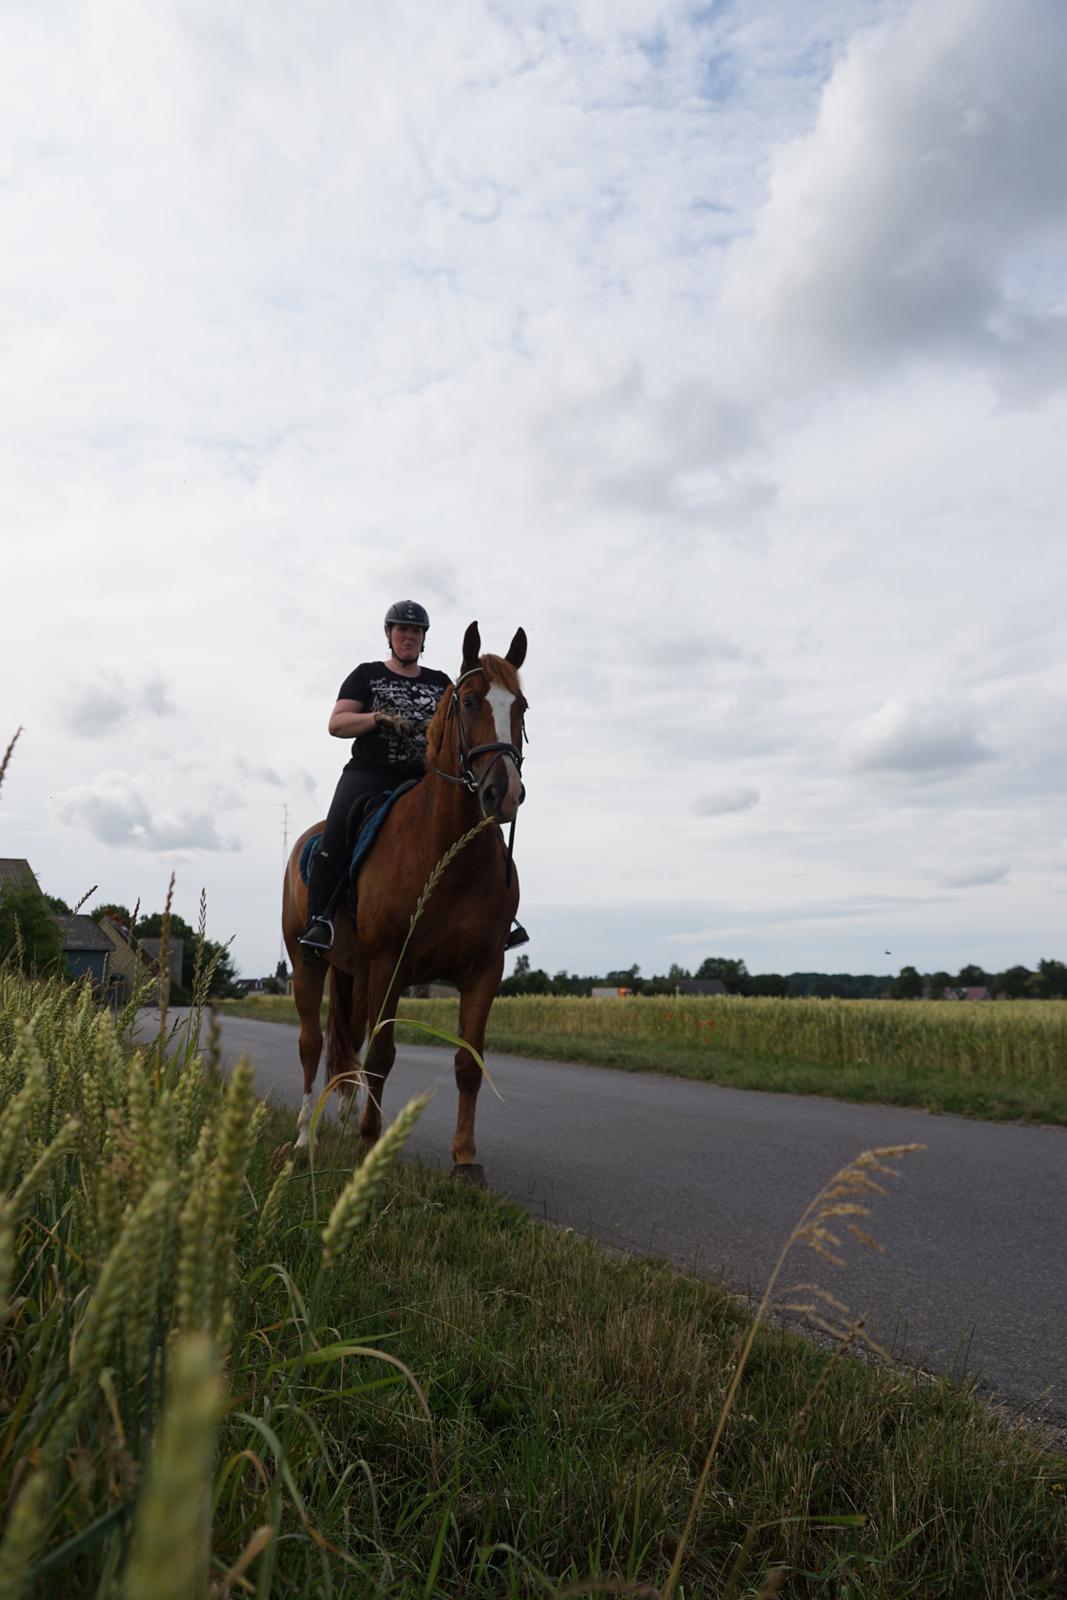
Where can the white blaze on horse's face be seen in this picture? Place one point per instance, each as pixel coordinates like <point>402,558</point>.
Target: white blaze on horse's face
<point>500,702</point>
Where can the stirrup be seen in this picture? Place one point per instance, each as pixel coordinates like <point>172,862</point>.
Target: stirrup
<point>517,936</point>
<point>317,938</point>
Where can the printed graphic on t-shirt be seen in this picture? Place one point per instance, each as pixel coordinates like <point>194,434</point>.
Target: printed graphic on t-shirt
<point>412,699</point>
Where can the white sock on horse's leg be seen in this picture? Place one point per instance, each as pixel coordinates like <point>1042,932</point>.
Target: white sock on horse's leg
<point>303,1121</point>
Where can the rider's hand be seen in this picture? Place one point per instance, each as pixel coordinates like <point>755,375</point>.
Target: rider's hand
<point>404,726</point>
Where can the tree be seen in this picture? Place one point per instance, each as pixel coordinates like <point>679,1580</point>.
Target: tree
<point>768,983</point>
<point>1051,980</point>
<point>57,905</point>
<point>908,986</point>
<point>937,983</point>
<point>281,972</point>
<point>29,933</point>
<point>1014,984</point>
<point>733,973</point>
<point>678,974</point>
<point>972,977</point>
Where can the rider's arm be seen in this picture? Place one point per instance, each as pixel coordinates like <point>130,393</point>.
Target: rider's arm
<point>348,720</point>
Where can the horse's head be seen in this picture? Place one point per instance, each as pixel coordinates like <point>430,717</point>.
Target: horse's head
<point>488,706</point>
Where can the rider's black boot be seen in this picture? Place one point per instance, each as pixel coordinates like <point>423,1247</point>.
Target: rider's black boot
<point>517,936</point>
<point>317,938</point>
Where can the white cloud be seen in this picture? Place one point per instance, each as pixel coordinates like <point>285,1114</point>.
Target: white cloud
<point>113,808</point>
<point>107,700</point>
<point>925,214</point>
<point>930,735</point>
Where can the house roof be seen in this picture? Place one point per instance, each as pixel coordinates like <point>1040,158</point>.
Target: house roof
<point>15,873</point>
<point>82,933</point>
<point>700,986</point>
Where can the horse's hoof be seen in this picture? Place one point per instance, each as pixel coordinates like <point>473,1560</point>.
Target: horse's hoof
<point>470,1172</point>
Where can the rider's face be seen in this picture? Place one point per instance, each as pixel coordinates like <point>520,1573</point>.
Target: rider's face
<point>405,642</point>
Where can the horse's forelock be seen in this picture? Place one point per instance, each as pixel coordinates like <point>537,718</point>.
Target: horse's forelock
<point>499,670</point>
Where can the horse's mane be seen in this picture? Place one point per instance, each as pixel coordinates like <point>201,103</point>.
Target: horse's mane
<point>498,670</point>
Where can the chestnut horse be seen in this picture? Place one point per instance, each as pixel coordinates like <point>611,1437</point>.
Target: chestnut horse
<point>473,758</point>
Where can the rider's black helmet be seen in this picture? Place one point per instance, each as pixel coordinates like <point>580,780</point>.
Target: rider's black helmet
<point>406,613</point>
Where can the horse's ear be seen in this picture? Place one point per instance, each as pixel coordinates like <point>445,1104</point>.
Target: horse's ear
<point>472,647</point>
<point>517,649</point>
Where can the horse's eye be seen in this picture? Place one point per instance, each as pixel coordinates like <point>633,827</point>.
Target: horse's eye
<point>469,702</point>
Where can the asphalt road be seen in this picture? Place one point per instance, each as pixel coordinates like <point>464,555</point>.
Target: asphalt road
<point>974,1274</point>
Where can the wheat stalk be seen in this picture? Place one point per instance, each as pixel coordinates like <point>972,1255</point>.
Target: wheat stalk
<point>355,1200</point>
<point>7,756</point>
<point>170,1549</point>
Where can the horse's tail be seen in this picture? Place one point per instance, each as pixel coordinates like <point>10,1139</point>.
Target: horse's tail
<point>342,1046</point>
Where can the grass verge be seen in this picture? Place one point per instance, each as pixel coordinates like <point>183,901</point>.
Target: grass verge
<point>965,1084</point>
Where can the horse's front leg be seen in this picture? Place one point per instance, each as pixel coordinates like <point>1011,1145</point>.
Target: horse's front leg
<point>474,1005</point>
<point>382,995</point>
<point>308,983</point>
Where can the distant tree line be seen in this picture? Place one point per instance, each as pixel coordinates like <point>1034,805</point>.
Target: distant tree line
<point>1048,981</point>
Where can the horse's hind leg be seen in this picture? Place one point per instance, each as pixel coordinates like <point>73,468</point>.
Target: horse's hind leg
<point>308,981</point>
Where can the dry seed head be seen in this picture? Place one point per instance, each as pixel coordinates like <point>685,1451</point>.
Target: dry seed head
<point>24,1535</point>
<point>354,1202</point>
<point>446,860</point>
<point>170,1549</point>
<point>8,754</point>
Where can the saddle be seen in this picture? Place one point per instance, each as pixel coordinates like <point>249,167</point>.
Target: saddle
<point>364,824</point>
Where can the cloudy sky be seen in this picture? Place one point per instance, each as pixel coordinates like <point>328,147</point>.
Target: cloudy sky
<point>723,347</point>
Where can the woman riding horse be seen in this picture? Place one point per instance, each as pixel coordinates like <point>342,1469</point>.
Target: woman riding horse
<point>445,835</point>
<point>384,706</point>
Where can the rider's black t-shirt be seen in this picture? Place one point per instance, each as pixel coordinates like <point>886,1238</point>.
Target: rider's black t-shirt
<point>378,688</point>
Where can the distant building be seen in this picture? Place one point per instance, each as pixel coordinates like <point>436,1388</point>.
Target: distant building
<point>86,951</point>
<point>602,992</point>
<point>15,873</point>
<point>965,992</point>
<point>176,952</point>
<point>706,986</point>
<point>131,966</point>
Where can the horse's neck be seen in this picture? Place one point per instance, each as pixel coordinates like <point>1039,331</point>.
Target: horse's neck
<point>451,809</point>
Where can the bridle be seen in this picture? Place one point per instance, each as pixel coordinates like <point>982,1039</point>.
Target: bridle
<point>498,749</point>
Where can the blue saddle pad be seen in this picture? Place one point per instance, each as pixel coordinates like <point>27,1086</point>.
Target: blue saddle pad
<point>364,838</point>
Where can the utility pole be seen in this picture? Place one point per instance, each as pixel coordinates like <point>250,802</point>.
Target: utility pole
<point>285,857</point>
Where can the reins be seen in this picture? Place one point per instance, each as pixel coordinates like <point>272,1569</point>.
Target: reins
<point>498,749</point>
